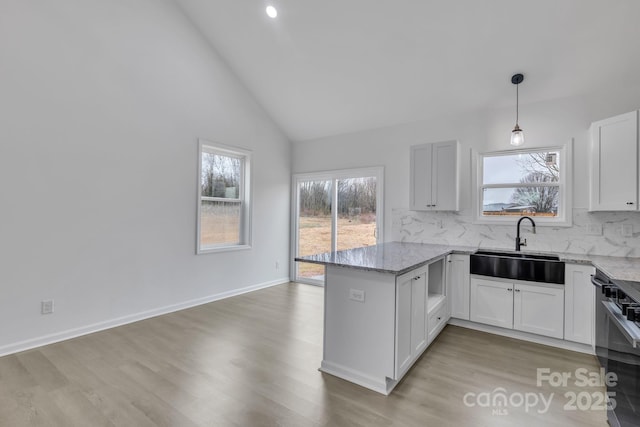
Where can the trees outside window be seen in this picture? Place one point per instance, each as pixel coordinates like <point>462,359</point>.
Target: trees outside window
<point>524,182</point>
<point>223,205</point>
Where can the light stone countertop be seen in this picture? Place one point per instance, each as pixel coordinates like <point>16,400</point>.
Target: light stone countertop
<point>392,257</point>
<point>398,258</point>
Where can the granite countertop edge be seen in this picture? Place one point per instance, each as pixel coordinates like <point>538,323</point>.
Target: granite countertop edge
<point>419,254</point>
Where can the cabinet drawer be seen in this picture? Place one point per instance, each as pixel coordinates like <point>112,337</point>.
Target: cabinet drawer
<point>436,321</point>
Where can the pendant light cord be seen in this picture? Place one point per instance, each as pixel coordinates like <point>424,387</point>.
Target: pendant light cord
<point>517,103</point>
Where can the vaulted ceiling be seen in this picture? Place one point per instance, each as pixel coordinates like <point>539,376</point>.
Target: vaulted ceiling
<point>326,67</point>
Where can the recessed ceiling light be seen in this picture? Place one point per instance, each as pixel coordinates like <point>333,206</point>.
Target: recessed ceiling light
<point>271,11</point>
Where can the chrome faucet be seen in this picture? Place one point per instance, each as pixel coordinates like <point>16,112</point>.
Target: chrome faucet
<point>518,242</point>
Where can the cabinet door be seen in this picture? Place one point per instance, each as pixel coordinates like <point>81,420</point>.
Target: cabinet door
<point>434,176</point>
<point>458,284</point>
<point>614,163</point>
<point>539,310</point>
<point>491,303</point>
<point>403,323</point>
<point>579,304</point>
<point>421,160</point>
<point>444,181</point>
<point>418,313</point>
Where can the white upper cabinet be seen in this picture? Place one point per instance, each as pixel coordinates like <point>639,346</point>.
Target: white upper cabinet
<point>434,176</point>
<point>614,164</point>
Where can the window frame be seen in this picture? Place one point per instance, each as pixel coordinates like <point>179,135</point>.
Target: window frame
<point>244,197</point>
<point>565,202</point>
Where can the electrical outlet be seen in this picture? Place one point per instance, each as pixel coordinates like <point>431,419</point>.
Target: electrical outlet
<point>626,230</point>
<point>46,307</point>
<point>277,265</point>
<point>356,295</point>
<point>594,229</point>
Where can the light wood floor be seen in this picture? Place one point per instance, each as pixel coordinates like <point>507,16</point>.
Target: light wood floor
<point>252,360</point>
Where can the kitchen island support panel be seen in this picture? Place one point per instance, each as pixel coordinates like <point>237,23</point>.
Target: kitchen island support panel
<point>359,336</point>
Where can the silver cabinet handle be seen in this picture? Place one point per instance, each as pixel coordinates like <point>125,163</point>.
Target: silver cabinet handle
<point>517,290</point>
<point>509,289</point>
<point>417,278</point>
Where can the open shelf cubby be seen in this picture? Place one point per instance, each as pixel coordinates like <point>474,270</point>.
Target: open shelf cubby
<point>436,285</point>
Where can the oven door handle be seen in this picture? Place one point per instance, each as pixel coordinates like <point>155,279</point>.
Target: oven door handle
<point>628,329</point>
<point>597,282</point>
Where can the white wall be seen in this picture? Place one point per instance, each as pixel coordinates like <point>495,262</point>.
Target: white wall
<point>101,106</point>
<point>545,124</point>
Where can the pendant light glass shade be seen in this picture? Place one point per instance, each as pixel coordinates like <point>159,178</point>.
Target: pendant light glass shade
<point>517,134</point>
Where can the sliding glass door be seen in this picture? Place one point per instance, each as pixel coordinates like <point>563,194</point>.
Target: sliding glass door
<point>314,224</point>
<point>334,210</point>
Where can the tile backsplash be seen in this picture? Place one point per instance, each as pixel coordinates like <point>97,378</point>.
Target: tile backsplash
<point>594,233</point>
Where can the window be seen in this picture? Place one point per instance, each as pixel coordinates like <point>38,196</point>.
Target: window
<point>223,198</point>
<point>525,183</point>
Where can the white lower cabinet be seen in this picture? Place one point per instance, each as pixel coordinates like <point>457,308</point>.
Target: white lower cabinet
<point>437,319</point>
<point>531,308</point>
<point>403,324</point>
<point>579,304</point>
<point>422,311</point>
<point>458,285</point>
<point>491,302</point>
<point>419,313</point>
<point>539,309</point>
<point>411,337</point>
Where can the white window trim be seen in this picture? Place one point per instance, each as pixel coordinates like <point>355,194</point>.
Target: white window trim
<point>377,171</point>
<point>245,197</point>
<point>565,216</point>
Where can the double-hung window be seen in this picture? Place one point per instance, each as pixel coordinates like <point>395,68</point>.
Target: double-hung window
<point>223,198</point>
<point>520,183</point>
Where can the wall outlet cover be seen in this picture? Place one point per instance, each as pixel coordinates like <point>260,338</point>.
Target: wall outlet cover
<point>627,230</point>
<point>46,307</point>
<point>356,295</point>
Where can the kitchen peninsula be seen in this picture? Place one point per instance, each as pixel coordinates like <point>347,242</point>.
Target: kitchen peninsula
<point>384,304</point>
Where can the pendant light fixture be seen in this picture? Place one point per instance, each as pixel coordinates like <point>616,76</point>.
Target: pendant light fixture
<point>517,135</point>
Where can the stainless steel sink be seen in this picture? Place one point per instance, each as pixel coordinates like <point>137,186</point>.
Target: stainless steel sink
<point>518,266</point>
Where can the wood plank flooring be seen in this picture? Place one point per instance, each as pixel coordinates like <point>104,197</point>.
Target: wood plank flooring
<point>252,360</point>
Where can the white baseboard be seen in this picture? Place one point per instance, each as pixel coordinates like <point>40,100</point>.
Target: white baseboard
<point>525,336</point>
<point>381,385</point>
<point>108,324</point>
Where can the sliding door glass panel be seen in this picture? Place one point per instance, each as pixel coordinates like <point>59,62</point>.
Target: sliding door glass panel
<point>357,203</point>
<point>334,211</point>
<point>315,226</point>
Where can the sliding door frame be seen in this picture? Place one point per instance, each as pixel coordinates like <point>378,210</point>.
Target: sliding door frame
<point>333,176</point>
